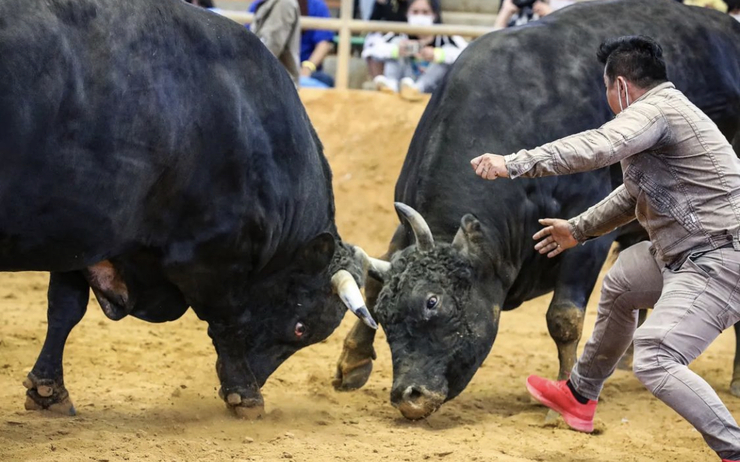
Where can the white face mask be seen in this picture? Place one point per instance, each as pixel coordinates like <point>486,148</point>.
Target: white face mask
<point>736,16</point>
<point>619,95</point>
<point>421,20</point>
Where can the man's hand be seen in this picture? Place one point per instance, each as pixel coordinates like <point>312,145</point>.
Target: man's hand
<point>490,166</point>
<point>555,237</point>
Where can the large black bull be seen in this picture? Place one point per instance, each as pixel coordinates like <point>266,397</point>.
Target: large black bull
<point>158,154</point>
<point>467,254</point>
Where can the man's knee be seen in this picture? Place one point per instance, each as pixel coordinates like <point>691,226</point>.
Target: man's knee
<point>652,357</point>
<point>645,359</point>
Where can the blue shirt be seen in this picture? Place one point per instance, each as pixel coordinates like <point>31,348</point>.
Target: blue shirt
<point>309,38</point>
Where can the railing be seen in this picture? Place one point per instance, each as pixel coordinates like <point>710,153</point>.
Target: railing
<point>346,25</point>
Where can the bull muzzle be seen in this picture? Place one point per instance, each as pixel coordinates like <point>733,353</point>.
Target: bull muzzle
<point>416,402</point>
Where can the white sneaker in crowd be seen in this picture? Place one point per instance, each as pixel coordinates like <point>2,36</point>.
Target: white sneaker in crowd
<point>409,90</point>
<point>386,85</point>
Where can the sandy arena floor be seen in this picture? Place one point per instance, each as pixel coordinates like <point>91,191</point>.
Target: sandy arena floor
<point>147,392</point>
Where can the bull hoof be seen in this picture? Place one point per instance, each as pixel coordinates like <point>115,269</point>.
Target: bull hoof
<point>352,376</point>
<point>251,408</point>
<point>735,388</point>
<point>46,394</point>
<point>354,366</point>
<point>249,413</point>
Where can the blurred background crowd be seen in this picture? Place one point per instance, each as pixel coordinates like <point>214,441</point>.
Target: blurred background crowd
<point>389,62</point>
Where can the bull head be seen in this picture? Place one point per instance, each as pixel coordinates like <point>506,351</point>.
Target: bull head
<point>438,312</point>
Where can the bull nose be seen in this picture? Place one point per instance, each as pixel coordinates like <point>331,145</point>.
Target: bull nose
<point>412,394</point>
<point>416,402</point>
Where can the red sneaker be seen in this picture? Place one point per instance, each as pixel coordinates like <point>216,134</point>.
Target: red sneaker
<point>557,396</point>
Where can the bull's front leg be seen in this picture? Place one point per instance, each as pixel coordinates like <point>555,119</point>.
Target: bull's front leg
<point>239,387</point>
<point>565,324</point>
<point>68,296</point>
<point>577,275</point>
<point>356,361</point>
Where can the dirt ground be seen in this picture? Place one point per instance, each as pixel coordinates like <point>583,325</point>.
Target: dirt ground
<point>147,392</point>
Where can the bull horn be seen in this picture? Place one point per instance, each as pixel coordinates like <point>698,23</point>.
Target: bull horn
<point>424,238</point>
<point>372,265</point>
<point>346,287</point>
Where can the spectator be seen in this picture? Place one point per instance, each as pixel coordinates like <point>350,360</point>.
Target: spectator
<point>203,3</point>
<point>733,8</point>
<point>276,23</point>
<point>383,10</point>
<point>315,44</point>
<point>518,12</point>
<point>364,9</point>
<point>415,66</point>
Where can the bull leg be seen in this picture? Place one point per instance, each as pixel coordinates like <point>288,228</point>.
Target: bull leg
<point>356,361</point>
<point>579,269</point>
<point>68,296</point>
<point>565,324</point>
<point>239,387</point>
<point>625,363</point>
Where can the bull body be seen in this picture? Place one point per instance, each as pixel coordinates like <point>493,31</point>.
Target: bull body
<point>512,89</point>
<point>158,154</point>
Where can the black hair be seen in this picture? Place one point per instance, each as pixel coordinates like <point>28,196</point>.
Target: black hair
<point>732,5</point>
<point>637,58</point>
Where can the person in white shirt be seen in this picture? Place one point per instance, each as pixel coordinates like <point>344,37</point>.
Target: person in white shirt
<point>414,66</point>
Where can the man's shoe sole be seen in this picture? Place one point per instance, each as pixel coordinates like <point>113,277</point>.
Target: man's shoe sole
<point>573,422</point>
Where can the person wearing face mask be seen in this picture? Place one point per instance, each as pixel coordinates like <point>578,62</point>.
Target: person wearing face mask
<point>413,66</point>
<point>682,183</point>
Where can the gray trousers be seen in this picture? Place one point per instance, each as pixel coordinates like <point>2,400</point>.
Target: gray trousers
<point>427,82</point>
<point>692,305</point>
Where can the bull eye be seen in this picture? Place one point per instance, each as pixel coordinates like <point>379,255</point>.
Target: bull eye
<point>432,302</point>
<point>299,329</point>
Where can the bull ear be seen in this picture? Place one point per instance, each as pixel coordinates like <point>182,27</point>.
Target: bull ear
<point>317,254</point>
<point>470,238</point>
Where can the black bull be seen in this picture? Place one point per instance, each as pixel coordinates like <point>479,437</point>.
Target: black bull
<point>158,154</point>
<point>517,88</point>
